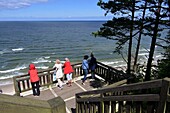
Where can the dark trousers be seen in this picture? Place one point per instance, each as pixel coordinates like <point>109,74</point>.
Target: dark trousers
<point>35,88</point>
<point>93,74</point>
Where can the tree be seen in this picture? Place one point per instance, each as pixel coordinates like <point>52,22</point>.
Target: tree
<point>164,64</point>
<point>158,11</point>
<point>121,27</point>
<point>127,23</point>
<point>140,35</point>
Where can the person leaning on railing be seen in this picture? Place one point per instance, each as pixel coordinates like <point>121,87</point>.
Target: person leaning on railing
<point>85,67</point>
<point>92,65</point>
<point>34,80</point>
<point>68,70</point>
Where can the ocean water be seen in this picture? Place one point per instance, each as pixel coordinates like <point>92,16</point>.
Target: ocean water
<point>41,42</point>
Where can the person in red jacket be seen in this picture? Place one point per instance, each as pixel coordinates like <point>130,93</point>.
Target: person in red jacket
<point>68,70</point>
<point>34,79</point>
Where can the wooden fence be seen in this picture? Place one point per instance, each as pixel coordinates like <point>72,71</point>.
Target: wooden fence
<point>146,97</point>
<point>22,83</point>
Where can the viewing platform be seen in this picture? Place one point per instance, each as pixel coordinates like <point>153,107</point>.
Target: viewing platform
<point>67,93</point>
<point>110,92</point>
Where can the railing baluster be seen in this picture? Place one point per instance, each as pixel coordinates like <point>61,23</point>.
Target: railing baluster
<point>23,84</point>
<point>138,107</point>
<point>28,84</point>
<point>113,107</point>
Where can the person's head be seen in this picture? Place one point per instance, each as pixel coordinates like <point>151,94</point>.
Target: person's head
<point>86,57</point>
<point>32,66</point>
<point>91,55</point>
<point>57,61</point>
<point>67,60</point>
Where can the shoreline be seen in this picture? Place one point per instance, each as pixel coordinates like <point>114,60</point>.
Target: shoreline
<point>7,86</point>
<point>7,89</point>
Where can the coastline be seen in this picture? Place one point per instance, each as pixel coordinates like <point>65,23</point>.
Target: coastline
<point>7,89</point>
<point>7,86</point>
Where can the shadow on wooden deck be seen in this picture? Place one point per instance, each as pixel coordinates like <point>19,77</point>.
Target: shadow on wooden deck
<point>68,93</point>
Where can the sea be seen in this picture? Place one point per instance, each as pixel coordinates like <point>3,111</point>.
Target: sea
<point>42,42</point>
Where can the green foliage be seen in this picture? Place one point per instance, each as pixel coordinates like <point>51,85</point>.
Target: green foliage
<point>163,68</point>
<point>164,64</point>
<point>128,17</point>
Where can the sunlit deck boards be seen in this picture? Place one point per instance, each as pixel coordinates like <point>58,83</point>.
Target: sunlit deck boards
<point>67,93</point>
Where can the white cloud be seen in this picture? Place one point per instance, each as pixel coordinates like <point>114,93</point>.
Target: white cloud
<point>14,4</point>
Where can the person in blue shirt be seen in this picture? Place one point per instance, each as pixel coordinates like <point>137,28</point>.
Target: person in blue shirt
<point>85,67</point>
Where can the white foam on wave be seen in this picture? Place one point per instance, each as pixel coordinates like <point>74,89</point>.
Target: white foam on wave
<point>143,54</point>
<point>40,60</point>
<point>42,67</point>
<point>18,49</point>
<point>8,76</point>
<point>10,50</point>
<point>15,69</point>
<point>123,65</point>
<point>47,57</point>
<point>112,63</point>
<point>159,56</point>
<point>5,51</point>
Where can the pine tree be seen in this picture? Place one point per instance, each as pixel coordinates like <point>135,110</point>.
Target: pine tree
<point>128,23</point>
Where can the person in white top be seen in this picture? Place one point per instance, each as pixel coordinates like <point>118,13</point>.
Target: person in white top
<point>59,73</point>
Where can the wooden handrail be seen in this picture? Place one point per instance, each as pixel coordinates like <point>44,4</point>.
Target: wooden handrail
<point>149,96</point>
<point>111,75</point>
<point>22,82</point>
<point>134,86</point>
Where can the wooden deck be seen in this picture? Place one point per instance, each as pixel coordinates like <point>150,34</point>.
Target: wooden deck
<point>67,93</point>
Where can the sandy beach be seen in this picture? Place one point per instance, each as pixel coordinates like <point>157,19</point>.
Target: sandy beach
<point>8,87</point>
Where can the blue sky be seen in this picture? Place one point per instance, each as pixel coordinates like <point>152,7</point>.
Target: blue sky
<point>51,10</point>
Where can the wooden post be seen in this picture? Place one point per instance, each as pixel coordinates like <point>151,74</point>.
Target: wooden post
<point>163,96</point>
<point>17,90</point>
<point>128,107</point>
<point>74,72</point>
<point>77,108</point>
<point>101,104</point>
<point>120,107</point>
<point>113,107</point>
<point>138,107</point>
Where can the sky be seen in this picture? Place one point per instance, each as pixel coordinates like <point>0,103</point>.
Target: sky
<point>51,10</point>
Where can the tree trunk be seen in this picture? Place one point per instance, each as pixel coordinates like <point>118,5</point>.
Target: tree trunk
<point>152,48</point>
<point>130,40</point>
<point>139,39</point>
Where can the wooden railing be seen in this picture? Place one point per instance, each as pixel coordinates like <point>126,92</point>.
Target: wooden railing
<point>146,97</point>
<point>22,83</point>
<point>111,75</point>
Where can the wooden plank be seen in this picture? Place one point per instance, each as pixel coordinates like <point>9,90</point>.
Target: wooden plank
<point>138,107</point>
<point>129,87</point>
<point>142,97</point>
<point>128,107</point>
<point>113,107</point>
<point>23,85</point>
<point>101,104</point>
<point>16,88</point>
<point>120,107</point>
<point>77,107</point>
<point>168,98</point>
<point>163,97</point>
<point>28,84</point>
<point>150,107</point>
